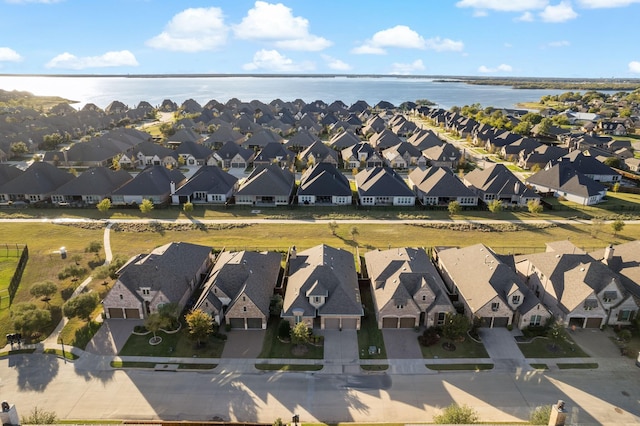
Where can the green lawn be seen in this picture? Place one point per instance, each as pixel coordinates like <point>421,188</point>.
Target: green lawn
<point>459,367</point>
<point>7,269</point>
<point>288,367</point>
<point>177,344</point>
<point>369,333</point>
<point>273,347</point>
<point>543,347</point>
<point>466,349</point>
<point>588,366</point>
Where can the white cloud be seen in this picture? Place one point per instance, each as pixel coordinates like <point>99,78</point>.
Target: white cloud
<point>634,67</point>
<point>599,4</point>
<point>336,64</point>
<point>9,55</point>
<point>406,69</point>
<point>480,13</point>
<point>562,12</point>
<point>402,36</point>
<point>559,43</point>
<point>272,60</point>
<point>275,22</point>
<point>192,30</point>
<point>109,59</point>
<point>499,68</point>
<point>525,17</point>
<point>504,5</point>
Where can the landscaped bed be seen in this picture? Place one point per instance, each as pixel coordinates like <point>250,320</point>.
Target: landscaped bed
<point>544,347</point>
<point>177,344</point>
<point>455,349</point>
<point>274,347</point>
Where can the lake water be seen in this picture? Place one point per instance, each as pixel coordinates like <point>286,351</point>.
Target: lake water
<point>132,90</point>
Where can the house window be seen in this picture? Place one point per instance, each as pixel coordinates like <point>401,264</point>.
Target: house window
<point>244,299</point>
<point>515,299</point>
<point>440,318</point>
<point>535,320</point>
<point>297,319</point>
<point>400,306</point>
<point>624,315</point>
<point>146,291</point>
<point>244,309</point>
<point>590,304</point>
<point>121,297</point>
<point>424,298</point>
<point>316,299</point>
<point>495,306</point>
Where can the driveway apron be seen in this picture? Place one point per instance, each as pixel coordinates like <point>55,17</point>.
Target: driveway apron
<point>502,349</point>
<point>401,344</point>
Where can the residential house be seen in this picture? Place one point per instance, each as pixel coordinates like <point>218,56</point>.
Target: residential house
<point>318,152</point>
<point>155,183</point>
<point>193,154</point>
<point>382,186</point>
<point>260,139</point>
<point>90,187</point>
<point>496,182</point>
<point>234,156</point>
<point>239,289</point>
<point>266,186</point>
<point>301,141</point>
<point>407,289</point>
<point>563,181</point>
<point>168,275</point>
<point>445,155</point>
<point>343,140</point>
<point>403,155</point>
<point>223,135</point>
<point>438,186</point>
<point>361,155</point>
<point>384,139</point>
<point>35,184</point>
<point>488,288</point>
<point>150,154</point>
<point>323,184</point>
<point>274,153</point>
<point>590,167</point>
<point>208,185</point>
<point>623,259</point>
<point>540,156</point>
<point>322,289</point>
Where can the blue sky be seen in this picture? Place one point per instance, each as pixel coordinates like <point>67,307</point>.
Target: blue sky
<point>524,38</point>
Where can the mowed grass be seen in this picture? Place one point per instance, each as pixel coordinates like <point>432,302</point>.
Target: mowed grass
<point>466,349</point>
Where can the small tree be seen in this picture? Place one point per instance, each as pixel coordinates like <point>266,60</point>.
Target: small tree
<point>28,319</point>
<point>39,416</point>
<point>495,206</point>
<point>616,187</point>
<point>275,305</point>
<point>19,148</point>
<point>81,306</point>
<point>541,415</point>
<point>300,334</point>
<point>155,322</point>
<point>170,312</point>
<point>333,227</point>
<point>44,290</point>
<point>454,208</point>
<point>278,422</point>
<point>534,207</point>
<point>146,206</point>
<point>104,206</point>
<point>187,207</point>
<point>455,414</point>
<point>94,247</point>
<point>354,233</point>
<point>617,226</point>
<point>200,325</point>
<point>455,325</point>
<point>284,330</point>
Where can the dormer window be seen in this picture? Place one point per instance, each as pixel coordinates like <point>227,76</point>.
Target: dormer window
<point>400,306</point>
<point>495,306</point>
<point>515,299</point>
<point>146,291</point>
<point>590,304</point>
<point>317,299</point>
<point>609,296</point>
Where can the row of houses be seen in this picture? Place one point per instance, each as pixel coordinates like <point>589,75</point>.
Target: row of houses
<point>320,286</point>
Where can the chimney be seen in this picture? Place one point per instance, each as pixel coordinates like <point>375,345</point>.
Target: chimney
<point>172,186</point>
<point>608,253</point>
<point>292,254</point>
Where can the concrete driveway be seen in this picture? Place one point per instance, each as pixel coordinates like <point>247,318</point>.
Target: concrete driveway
<point>402,344</point>
<point>112,336</point>
<point>243,344</point>
<point>503,349</point>
<point>595,342</point>
<point>340,345</point>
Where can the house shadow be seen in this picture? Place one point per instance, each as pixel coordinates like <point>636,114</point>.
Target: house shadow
<point>35,371</point>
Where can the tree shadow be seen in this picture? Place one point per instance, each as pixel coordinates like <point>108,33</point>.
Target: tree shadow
<point>35,371</point>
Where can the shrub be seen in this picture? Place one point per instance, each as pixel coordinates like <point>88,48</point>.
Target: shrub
<point>455,414</point>
<point>540,416</point>
<point>430,337</point>
<point>284,330</point>
<point>39,416</point>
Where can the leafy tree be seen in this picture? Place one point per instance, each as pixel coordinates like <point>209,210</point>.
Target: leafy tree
<point>39,416</point>
<point>354,233</point>
<point>43,290</point>
<point>455,326</point>
<point>284,330</point>
<point>454,208</point>
<point>19,148</point>
<point>146,206</point>
<point>51,142</point>
<point>275,305</point>
<point>523,128</point>
<point>74,271</point>
<point>170,312</point>
<point>300,334</point>
<point>155,322</point>
<point>617,226</point>
<point>94,247</point>
<point>104,206</point>
<point>278,422</point>
<point>115,162</point>
<point>545,126</point>
<point>612,162</point>
<point>167,129</point>
<point>77,259</point>
<point>541,415</point>
<point>28,319</point>
<point>534,207</point>
<point>187,207</point>
<point>81,306</point>
<point>200,325</point>
<point>455,414</point>
<point>495,206</point>
<point>333,227</point>
<point>616,187</point>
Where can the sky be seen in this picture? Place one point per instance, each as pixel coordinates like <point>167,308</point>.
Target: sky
<point>505,38</point>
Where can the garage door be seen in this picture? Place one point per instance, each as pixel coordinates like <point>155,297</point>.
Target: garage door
<point>236,322</point>
<point>331,323</point>
<point>349,323</point>
<point>116,313</point>
<point>131,313</point>
<point>593,322</point>
<point>389,322</point>
<point>485,321</point>
<point>407,322</point>
<point>500,321</point>
<point>576,322</point>
<point>254,322</point>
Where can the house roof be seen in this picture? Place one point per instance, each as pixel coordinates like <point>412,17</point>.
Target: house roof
<point>168,268</point>
<point>8,172</point>
<point>154,180</point>
<point>343,140</point>
<point>319,151</point>
<point>439,182</point>
<point>210,179</point>
<point>328,268</point>
<point>231,149</point>
<point>384,139</point>
<point>587,165</point>
<point>247,273</point>
<point>625,261</point>
<point>268,180</point>
<point>224,134</point>
<point>563,177</point>
<point>497,179</point>
<point>274,151</point>
<point>301,139</point>
<point>444,152</point>
<point>425,139</point>
<point>324,179</point>
<point>381,181</point>
<point>199,151</point>
<point>95,181</point>
<point>150,149</point>
<point>39,178</point>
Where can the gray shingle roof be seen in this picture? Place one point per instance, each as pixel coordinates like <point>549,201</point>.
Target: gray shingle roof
<point>564,177</point>
<point>154,180</point>
<point>381,181</point>
<point>268,180</point>
<point>210,179</point>
<point>324,179</point>
<point>95,181</point>
<point>39,178</point>
<point>439,182</point>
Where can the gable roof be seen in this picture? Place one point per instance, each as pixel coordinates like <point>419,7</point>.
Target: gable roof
<point>154,180</point>
<point>198,151</point>
<point>497,179</point>
<point>324,179</point>
<point>343,140</point>
<point>563,177</point>
<point>39,178</point>
<point>587,165</point>
<point>8,172</point>
<point>381,181</point>
<point>95,181</point>
<point>210,179</point>
<point>268,180</point>
<point>439,182</point>
<point>231,149</point>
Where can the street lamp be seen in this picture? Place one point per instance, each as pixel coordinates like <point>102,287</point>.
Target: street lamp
<point>64,356</point>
